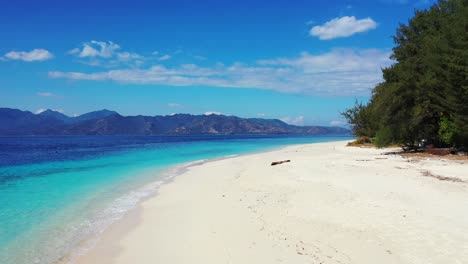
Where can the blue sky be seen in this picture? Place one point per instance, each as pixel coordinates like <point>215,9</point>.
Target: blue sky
<point>299,61</point>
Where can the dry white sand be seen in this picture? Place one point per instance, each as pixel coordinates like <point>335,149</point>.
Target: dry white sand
<point>330,204</point>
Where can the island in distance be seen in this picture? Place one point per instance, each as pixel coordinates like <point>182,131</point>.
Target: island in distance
<point>105,122</point>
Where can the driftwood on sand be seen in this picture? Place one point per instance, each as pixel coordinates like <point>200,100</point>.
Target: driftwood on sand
<point>279,162</point>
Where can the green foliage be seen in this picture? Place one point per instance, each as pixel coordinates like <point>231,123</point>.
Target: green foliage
<point>428,82</point>
<point>447,131</point>
<point>383,138</point>
<point>360,117</point>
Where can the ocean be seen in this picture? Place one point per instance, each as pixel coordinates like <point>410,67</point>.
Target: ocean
<point>58,193</point>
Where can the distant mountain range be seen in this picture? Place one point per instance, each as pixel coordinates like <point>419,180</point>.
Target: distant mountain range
<point>105,122</point>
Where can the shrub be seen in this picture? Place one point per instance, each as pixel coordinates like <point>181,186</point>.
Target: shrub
<point>363,140</point>
<point>447,131</point>
<point>383,137</point>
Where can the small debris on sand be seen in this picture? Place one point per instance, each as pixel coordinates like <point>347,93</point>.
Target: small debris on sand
<point>279,162</point>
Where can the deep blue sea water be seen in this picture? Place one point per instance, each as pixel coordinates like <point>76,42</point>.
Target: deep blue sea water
<point>58,192</point>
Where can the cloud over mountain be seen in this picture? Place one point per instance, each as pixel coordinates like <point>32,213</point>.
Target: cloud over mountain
<point>340,72</point>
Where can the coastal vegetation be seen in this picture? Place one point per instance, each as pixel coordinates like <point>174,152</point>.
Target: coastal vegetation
<point>423,99</point>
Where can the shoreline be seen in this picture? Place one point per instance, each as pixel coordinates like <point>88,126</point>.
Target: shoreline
<point>129,235</point>
<point>169,175</point>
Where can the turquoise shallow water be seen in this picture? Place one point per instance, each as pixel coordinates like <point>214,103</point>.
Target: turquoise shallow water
<point>56,193</point>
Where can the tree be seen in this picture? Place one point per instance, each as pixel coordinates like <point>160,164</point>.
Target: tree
<point>424,94</point>
<point>360,118</point>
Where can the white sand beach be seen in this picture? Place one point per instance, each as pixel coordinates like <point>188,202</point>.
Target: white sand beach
<point>330,204</point>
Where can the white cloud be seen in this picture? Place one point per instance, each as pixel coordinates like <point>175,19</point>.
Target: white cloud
<point>340,72</point>
<point>106,54</point>
<point>164,57</point>
<point>47,94</point>
<point>199,57</point>
<point>88,51</point>
<point>126,56</point>
<point>261,115</point>
<point>99,49</point>
<point>342,27</point>
<point>74,51</point>
<point>338,123</point>
<point>175,105</point>
<point>33,55</point>
<point>155,53</point>
<point>297,121</point>
<point>213,113</point>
